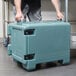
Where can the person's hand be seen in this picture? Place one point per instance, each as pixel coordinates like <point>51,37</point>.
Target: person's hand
<point>60,16</point>
<point>19,16</point>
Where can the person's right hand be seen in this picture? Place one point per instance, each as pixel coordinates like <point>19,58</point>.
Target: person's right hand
<point>19,16</point>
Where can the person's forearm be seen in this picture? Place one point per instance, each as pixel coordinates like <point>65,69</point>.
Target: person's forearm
<point>17,5</point>
<point>56,4</point>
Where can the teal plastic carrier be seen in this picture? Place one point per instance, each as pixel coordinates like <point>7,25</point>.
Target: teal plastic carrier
<point>39,42</point>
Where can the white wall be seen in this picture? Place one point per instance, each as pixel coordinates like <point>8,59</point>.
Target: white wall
<point>1,27</point>
<point>48,11</point>
<point>6,15</point>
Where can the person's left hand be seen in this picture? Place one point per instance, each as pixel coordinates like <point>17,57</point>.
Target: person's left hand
<point>60,16</point>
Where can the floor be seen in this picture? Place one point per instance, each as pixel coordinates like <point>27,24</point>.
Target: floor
<point>9,68</point>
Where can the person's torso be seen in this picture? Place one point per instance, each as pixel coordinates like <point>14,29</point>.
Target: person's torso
<point>33,4</point>
<point>29,2</point>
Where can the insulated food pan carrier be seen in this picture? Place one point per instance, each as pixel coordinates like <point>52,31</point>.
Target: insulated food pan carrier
<point>39,42</point>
